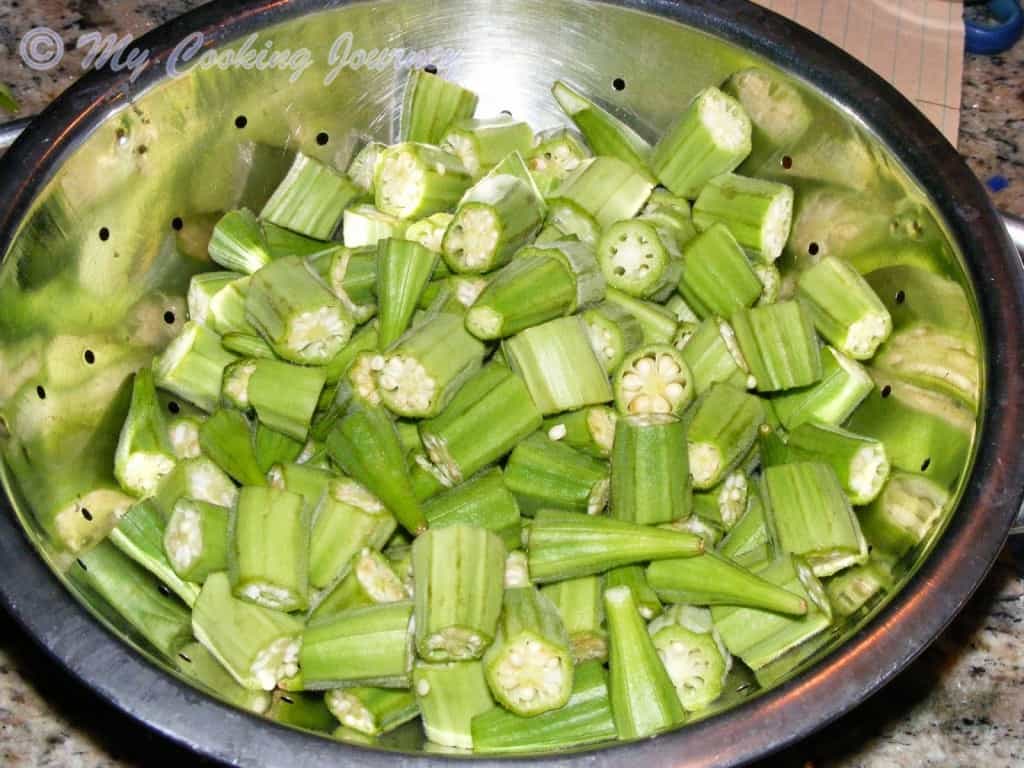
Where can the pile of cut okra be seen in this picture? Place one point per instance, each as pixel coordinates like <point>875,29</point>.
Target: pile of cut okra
<point>536,451</point>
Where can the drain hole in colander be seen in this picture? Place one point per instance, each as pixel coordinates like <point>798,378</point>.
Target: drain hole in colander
<point>925,464</point>
<point>787,162</point>
<point>87,514</point>
<point>90,358</point>
<point>813,249</point>
<point>104,234</point>
<point>886,390</point>
<point>169,317</point>
<point>287,699</point>
<point>183,657</point>
<point>322,138</point>
<point>84,567</point>
<point>41,392</point>
<point>241,121</point>
<point>164,590</point>
<point>900,297</point>
<point>506,112</point>
<point>619,84</point>
<point>432,69</point>
<point>173,407</point>
<point>177,223</point>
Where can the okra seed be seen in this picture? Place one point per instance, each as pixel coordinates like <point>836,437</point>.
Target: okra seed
<point>558,432</point>
<point>422,687</point>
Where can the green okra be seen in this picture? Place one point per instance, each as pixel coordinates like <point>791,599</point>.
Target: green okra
<point>192,366</point>
<point>933,359</point>
<point>227,438</point>
<point>653,379</point>
<point>431,105</point>
<point>590,430</point>
<point>717,279</point>
<point>812,517</point>
<point>544,474</point>
<point>605,133</point>
<point>614,332</point>
<point>708,531</point>
<point>364,226</point>
<point>580,603</point>
<point>640,258</point>
<point>373,711</point>
<point>196,539</point>
<point>458,572</point>
<point>780,346</point>
<point>202,288</point>
<point>908,509</point>
<point>844,385</point>
<point>517,569</point>
<point>450,696</point>
<point>778,113</point>
<point>634,577</point>
<point>453,294</point>
<point>559,366</point>
<point>585,719</point>
<point>848,592</point>
<point>693,654</point>
<point>351,275</point>
<point>564,545</point>
<point>365,445</point>
<point>643,698</point>
<point>429,232</point>
<point>568,220</point>
<point>650,474</point>
<point>482,501</point>
<point>403,270</point>
<point>663,200</point>
<point>657,323</point>
<point>363,647</point>
<point>721,430</point>
<point>757,213</point>
<point>844,307</point>
<point>311,483</point>
<point>529,667</point>
<point>710,138</point>
<point>273,447</point>
<point>606,188</point>
<point>310,199</point>
<point>257,645</point>
<point>481,143</point>
<point>674,223</point>
<point>713,356</point>
<point>199,479</point>
<point>237,242</point>
<point>861,463</point>
<point>724,504</point>
<point>771,283</point>
<point>144,454</point>
<point>364,165</point>
<point>749,543</point>
<point>556,153</point>
<point>197,663</point>
<point>226,310</point>
<point>415,180</point>
<point>246,345</point>
<point>426,479</point>
<point>369,580</point>
<point>284,242</point>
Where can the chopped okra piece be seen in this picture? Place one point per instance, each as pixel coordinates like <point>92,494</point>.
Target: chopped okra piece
<point>633,576</point>
<point>269,554</point>
<point>459,575</point>
<point>643,698</point>
<point>283,242</point>
<point>714,357</point>
<point>564,545</point>
<point>311,199</point>
<point>559,366</point>
<point>482,501</point>
<point>247,345</point>
<point>452,295</point>
<point>568,220</point>
<point>543,474</point>
<point>780,346</point>
<point>369,581</point>
<point>605,133</point>
<point>657,323</point>
<point>429,233</point>
<point>373,711</point>
<point>517,569</point>
<point>778,113</point>
<point>640,258</point>
<point>832,400</point>
<point>351,275</point>
<point>450,696</point>
<point>675,224</point>
<point>580,603</point>
<point>257,645</point>
<point>852,589</point>
<point>812,517</point>
<point>749,543</point>
<point>590,430</point>
<point>226,311</point>
<point>416,180</point>
<point>529,667</point>
<point>199,479</point>
<point>716,277</point>
<point>650,476</point>
<point>482,143</point>
<point>285,396</point>
<point>907,510</point>
<point>273,447</point>
<point>933,359</point>
<point>140,535</point>
<point>844,308</point>
<point>363,166</point>
<point>403,270</point>
<point>237,242</point>
<point>144,454</point>
<point>363,647</point>
<point>196,539</point>
<point>201,290</point>
<point>757,213</point>
<point>200,665</point>
<point>556,154</point>
<point>431,105</point>
<point>722,428</point>
<point>606,188</point>
<point>771,283</point>
<point>694,656</point>
<point>614,332</point>
<point>711,137</point>
<point>192,366</point>
<point>364,226</point>
<point>227,438</point>
<point>654,379</point>
<point>860,463</point>
<point>729,498</point>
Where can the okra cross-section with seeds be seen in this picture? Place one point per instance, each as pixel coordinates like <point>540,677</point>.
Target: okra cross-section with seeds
<point>196,539</point>
<point>580,603</point>
<point>722,428</point>
<point>144,454</point>
<point>693,655</point>
<point>757,213</point>
<point>416,180</point>
<point>640,259</point>
<point>370,580</point>
<point>482,143</point>
<point>556,153</point>
<point>653,379</point>
<point>373,711</point>
<point>545,474</point>
<point>614,333</point>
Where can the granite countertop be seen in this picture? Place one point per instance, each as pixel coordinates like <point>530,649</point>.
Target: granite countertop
<point>961,703</point>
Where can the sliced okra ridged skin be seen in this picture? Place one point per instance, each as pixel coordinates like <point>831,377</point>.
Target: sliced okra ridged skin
<point>363,226</point>
<point>285,396</point>
<point>634,577</point>
<point>556,153</point>
<point>641,259</point>
<point>750,542</point>
<point>226,310</point>
<point>227,438</point>
<point>370,580</point>
<point>450,696</point>
<point>848,592</point>
<point>544,474</point>
<point>351,275</point>
<point>861,463</point>
<point>722,428</point>
<point>717,279</point>
<point>429,232</point>
<point>564,545</point>
<point>416,180</point>
<point>363,166</point>
<point>933,358</point>
<point>459,576</point>
<point>844,385</point>
<point>481,143</point>
<point>144,454</point>
<point>713,356</point>
<point>756,212</point>
<point>908,509</point>
<point>658,324</point>
<point>196,539</point>
<point>198,478</point>
<point>192,366</point>
<point>373,711</point>
<point>614,332</point>
<point>780,346</point>
<point>247,345</point>
<point>237,242</point>
<point>590,430</point>
<point>650,474</point>
<point>580,602</point>
<point>482,501</point>
<point>605,133</point>
<point>202,288</point>
<point>310,199</point>
<point>605,188</point>
<point>568,220</point>
<point>403,270</point>
<point>653,379</point>
<point>431,104</point>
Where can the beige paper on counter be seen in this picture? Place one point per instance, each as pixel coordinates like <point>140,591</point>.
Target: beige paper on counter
<point>917,45</point>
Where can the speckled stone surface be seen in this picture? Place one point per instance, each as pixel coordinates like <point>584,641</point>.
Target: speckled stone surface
<point>960,704</point>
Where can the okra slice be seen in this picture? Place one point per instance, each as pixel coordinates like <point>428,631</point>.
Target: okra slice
<point>136,596</point>
<point>257,645</point>
<point>580,603</point>
<point>543,474</point>
<point>432,104</point>
<point>452,295</point>
<point>590,430</point>
<point>140,535</point>
<point>365,445</point>
<point>370,581</point>
<point>429,233</point>
<point>605,133</point>
<point>296,313</point>
<point>654,379</point>
<point>351,275</point>
<point>459,574</point>
<point>227,438</point>
<point>517,569</point>
<point>364,647</point>
<point>585,719</point>
<point>844,308</point>
<point>496,217</point>
<point>487,417</point>
<point>771,283</point>
<point>528,666</point>
<point>657,323</point>
<point>716,277</point>
<point>201,290</point>
<point>364,226</point>
<point>643,698</point>
<point>226,311</point>
<point>373,711</point>
<point>144,454</point>
<point>420,373</point>
<point>633,576</point>
<point>311,483</point>
<point>285,396</point>
<point>564,545</point>
<point>482,501</point>
<point>481,143</point>
<point>696,660</point>
<point>568,220</point>
<point>907,510</point>
<point>757,213</point>
<point>556,153</point>
<point>559,366</point>
<point>201,666</point>
<point>780,346</point>
<point>197,478</point>
<point>284,242</point>
<point>712,137</point>
<point>812,517</point>
<point>246,345</point>
<point>450,696</point>
<point>650,476</point>
<point>614,332</point>
<point>933,359</point>
<point>196,539</point>
<point>415,180</point>
<point>606,188</point>
<point>641,259</point>
<point>237,242</point>
<point>364,165</point>
<point>749,543</point>
<point>192,366</point>
<point>861,463</point>
<point>311,199</point>
<point>403,270</point>
<point>273,447</point>
<point>844,385</point>
<point>722,428</point>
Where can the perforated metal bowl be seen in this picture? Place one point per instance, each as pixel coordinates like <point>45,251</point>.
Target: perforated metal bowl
<point>107,200</point>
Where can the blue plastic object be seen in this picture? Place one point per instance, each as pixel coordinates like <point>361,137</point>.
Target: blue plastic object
<point>991,39</point>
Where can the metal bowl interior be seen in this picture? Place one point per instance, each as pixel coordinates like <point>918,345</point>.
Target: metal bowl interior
<point>110,197</point>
